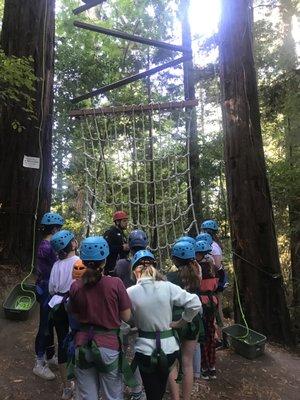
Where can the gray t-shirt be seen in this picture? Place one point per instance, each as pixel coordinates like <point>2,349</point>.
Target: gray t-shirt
<point>123,271</point>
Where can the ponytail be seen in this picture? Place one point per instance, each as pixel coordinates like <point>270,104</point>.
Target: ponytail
<point>207,270</point>
<point>189,273</point>
<point>93,274</point>
<point>217,240</point>
<point>148,269</point>
<point>214,235</point>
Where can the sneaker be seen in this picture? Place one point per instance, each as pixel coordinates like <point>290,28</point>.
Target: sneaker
<point>43,371</point>
<point>205,374</point>
<point>52,361</point>
<point>67,393</point>
<point>213,373</point>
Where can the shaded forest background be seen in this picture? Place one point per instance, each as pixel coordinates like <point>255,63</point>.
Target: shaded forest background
<point>85,60</point>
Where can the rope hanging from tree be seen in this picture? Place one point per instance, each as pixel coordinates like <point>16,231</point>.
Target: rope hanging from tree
<point>139,162</point>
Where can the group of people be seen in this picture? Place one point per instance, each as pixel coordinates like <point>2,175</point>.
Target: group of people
<point>116,289</point>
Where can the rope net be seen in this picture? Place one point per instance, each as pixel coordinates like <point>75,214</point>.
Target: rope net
<point>139,162</point>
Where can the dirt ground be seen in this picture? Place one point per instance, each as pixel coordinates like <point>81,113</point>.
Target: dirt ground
<point>274,376</point>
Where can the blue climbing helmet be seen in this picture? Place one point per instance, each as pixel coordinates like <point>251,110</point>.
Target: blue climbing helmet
<point>137,238</point>
<point>210,224</point>
<point>204,236</point>
<point>183,250</point>
<point>188,239</point>
<point>202,247</point>
<point>94,248</point>
<point>139,255</point>
<point>52,219</point>
<point>61,239</point>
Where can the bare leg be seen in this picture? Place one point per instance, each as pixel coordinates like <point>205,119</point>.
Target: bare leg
<point>173,385</point>
<point>188,348</point>
<point>197,361</point>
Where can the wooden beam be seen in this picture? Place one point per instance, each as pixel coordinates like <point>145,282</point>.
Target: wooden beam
<point>131,79</point>
<point>130,37</point>
<point>133,108</point>
<point>88,4</point>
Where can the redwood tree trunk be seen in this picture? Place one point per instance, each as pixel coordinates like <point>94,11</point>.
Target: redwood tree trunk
<point>254,244</point>
<point>191,124</point>
<point>27,30</point>
<point>292,127</point>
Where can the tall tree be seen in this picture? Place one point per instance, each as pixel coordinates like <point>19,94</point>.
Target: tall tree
<point>25,187</point>
<point>254,244</point>
<point>288,63</point>
<point>189,94</point>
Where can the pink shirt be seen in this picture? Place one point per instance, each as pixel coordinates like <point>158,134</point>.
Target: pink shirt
<point>99,305</point>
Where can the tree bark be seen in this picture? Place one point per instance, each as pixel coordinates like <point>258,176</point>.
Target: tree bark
<point>256,260</point>
<point>27,30</point>
<point>191,124</point>
<point>288,60</point>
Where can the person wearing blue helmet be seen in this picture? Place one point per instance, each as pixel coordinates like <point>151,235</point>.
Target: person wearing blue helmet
<point>202,250</point>
<point>209,299</point>
<point>65,245</point>
<point>100,303</point>
<point>203,247</point>
<point>137,240</point>
<point>188,239</point>
<point>204,236</point>
<point>153,299</point>
<point>46,257</point>
<point>187,277</point>
<point>211,227</point>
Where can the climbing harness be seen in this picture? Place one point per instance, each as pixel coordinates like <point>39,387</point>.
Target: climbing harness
<point>158,359</point>
<point>211,308</point>
<point>79,357</point>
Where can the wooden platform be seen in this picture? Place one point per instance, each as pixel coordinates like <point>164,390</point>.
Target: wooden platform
<point>133,109</point>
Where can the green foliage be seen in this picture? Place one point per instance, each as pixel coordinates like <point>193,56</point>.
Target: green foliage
<point>279,84</point>
<point>1,9</point>
<point>85,61</point>
<point>17,85</point>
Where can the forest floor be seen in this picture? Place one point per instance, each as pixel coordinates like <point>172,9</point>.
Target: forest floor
<point>273,376</point>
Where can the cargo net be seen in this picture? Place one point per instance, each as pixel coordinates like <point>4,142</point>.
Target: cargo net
<point>139,162</point>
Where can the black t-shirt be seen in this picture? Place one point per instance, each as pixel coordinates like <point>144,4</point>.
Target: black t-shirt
<point>115,238</point>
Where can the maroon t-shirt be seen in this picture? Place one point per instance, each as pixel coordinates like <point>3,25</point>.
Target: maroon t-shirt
<point>99,305</point>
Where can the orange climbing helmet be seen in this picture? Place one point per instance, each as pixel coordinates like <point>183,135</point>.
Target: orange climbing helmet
<point>118,215</point>
<point>78,269</point>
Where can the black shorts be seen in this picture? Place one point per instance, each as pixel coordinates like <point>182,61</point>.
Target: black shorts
<point>191,330</point>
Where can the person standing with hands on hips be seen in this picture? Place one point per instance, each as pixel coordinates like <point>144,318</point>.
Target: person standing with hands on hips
<point>117,241</point>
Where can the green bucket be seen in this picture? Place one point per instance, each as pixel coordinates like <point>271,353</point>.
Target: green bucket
<point>246,342</point>
<point>20,302</point>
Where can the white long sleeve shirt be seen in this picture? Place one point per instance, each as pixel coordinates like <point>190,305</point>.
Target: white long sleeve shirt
<point>61,279</point>
<point>152,305</point>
